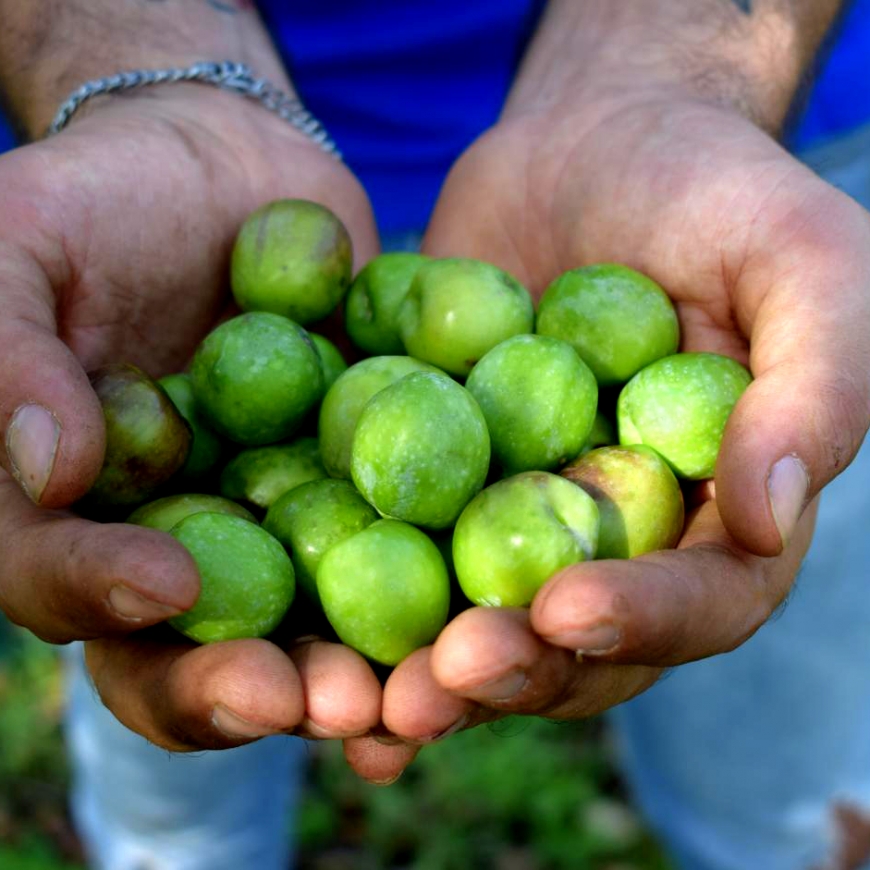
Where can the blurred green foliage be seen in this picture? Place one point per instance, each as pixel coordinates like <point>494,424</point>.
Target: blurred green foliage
<point>33,852</point>
<point>522,794</point>
<point>35,833</point>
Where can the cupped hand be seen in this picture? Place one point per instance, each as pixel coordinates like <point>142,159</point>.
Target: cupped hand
<point>115,238</point>
<point>765,263</point>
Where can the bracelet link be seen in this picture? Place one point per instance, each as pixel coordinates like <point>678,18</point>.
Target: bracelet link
<point>228,75</point>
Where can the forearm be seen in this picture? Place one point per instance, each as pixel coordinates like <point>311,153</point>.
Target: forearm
<point>749,54</point>
<point>49,47</point>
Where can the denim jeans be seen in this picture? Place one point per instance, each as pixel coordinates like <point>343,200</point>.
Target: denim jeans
<point>138,807</point>
<point>755,760</point>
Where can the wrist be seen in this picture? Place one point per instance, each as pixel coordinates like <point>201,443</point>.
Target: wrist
<point>48,117</point>
<point>213,124</point>
<point>706,51</point>
<point>47,50</point>
<point>226,75</point>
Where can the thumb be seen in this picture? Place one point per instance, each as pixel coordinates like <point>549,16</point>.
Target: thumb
<point>802,420</point>
<point>51,420</point>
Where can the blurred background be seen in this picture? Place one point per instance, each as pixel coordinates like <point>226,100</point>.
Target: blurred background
<point>524,794</point>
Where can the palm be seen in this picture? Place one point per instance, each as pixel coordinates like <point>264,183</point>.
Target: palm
<point>755,251</point>
<point>691,196</point>
<point>146,278</point>
<point>114,245</point>
<point>148,216</point>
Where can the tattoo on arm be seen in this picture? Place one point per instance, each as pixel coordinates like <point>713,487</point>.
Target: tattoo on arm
<point>744,6</point>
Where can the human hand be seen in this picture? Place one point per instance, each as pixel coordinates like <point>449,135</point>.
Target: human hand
<point>115,239</point>
<point>765,263</point>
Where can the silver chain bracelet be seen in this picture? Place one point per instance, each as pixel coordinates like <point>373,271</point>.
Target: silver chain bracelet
<point>227,75</point>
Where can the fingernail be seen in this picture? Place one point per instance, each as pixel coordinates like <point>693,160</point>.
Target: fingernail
<point>599,639</point>
<point>31,443</point>
<point>504,688</point>
<point>388,739</point>
<point>129,604</point>
<point>306,638</point>
<point>787,487</point>
<point>383,782</point>
<point>233,725</point>
<point>309,726</point>
<point>458,725</point>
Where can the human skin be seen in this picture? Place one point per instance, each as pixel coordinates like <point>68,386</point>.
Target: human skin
<point>659,153</point>
<point>750,245</point>
<point>115,238</point>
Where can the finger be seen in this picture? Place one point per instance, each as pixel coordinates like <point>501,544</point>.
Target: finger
<point>418,709</point>
<point>52,423</point>
<point>342,693</point>
<point>378,762</point>
<point>802,420</point>
<point>66,578</point>
<point>184,697</point>
<point>492,655</point>
<point>672,606</point>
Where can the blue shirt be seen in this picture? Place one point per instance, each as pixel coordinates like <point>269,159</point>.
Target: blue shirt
<point>840,98</point>
<point>405,85</point>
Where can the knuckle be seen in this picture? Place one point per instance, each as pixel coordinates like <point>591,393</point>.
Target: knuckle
<point>846,403</point>
<point>48,632</point>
